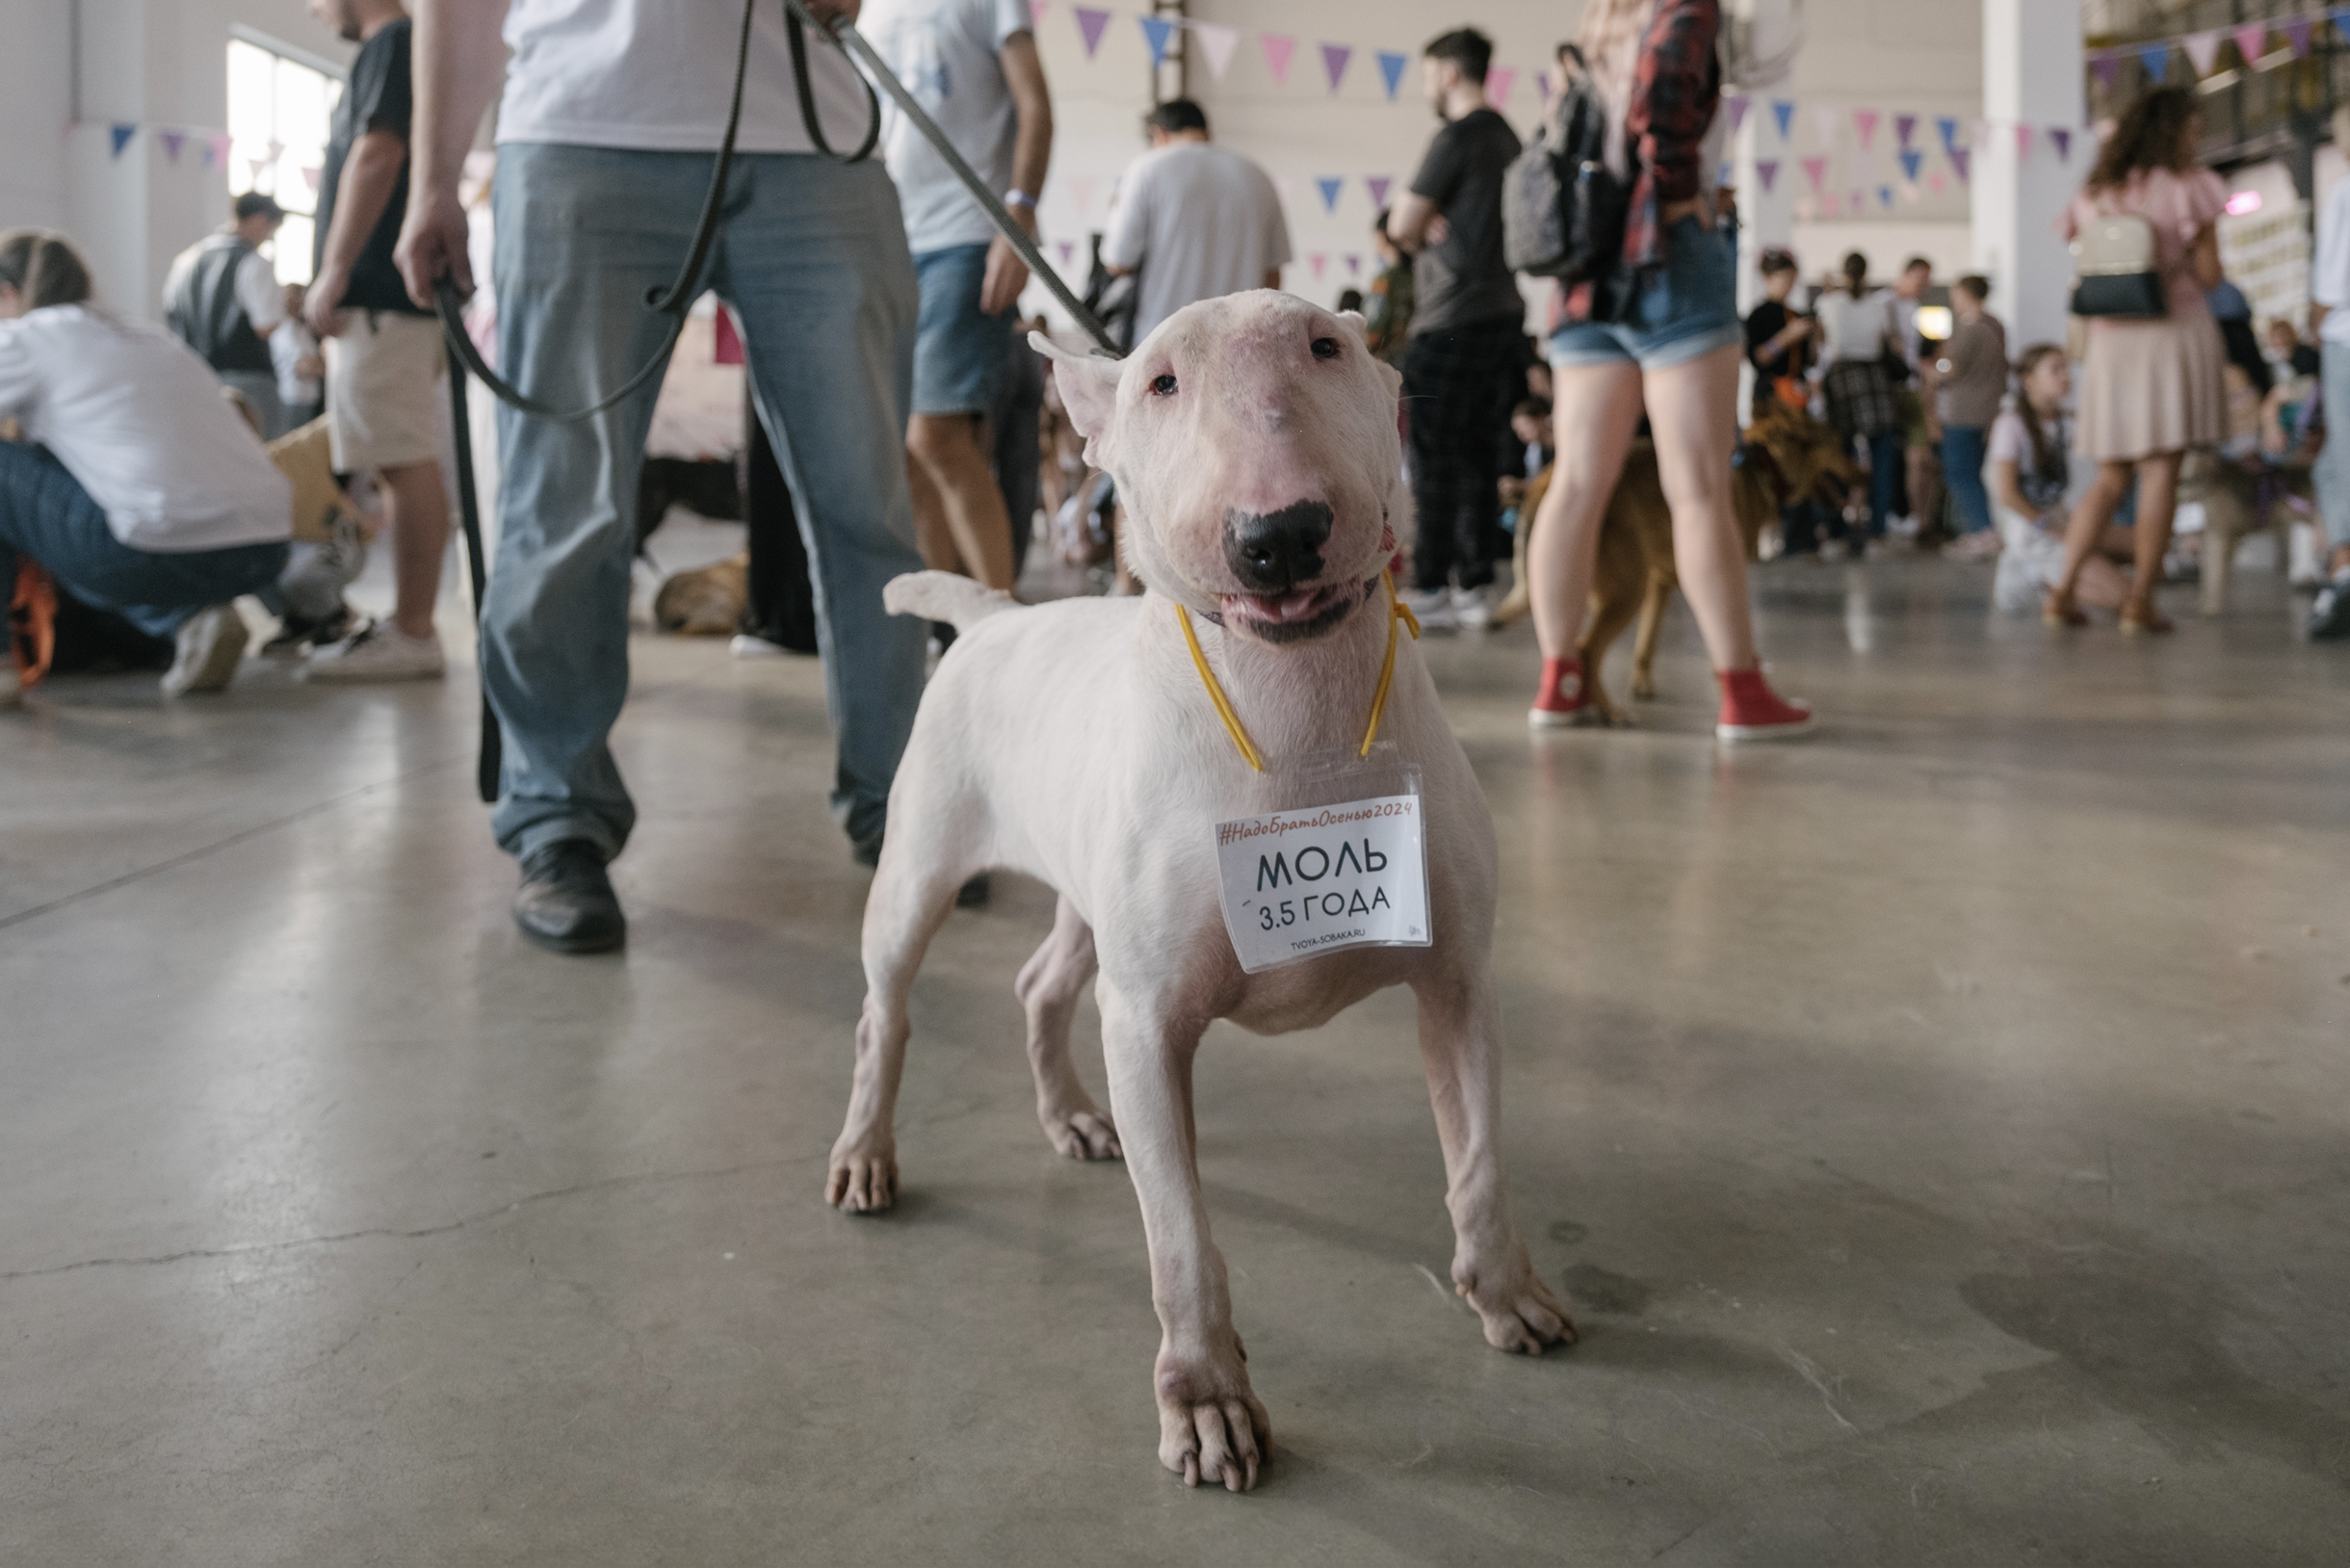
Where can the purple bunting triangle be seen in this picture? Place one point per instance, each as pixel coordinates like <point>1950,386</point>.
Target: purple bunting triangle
<point>1905,128</point>
<point>1335,57</point>
<point>172,142</point>
<point>2109,70</point>
<point>1391,71</point>
<point>2296,31</point>
<point>120,135</point>
<point>2063,142</point>
<point>1158,33</point>
<point>1378,185</point>
<point>1092,24</point>
<point>1959,158</point>
<point>1737,106</point>
<point>1766,169</point>
<point>1329,185</point>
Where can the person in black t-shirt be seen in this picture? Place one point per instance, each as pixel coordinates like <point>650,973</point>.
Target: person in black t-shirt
<point>1779,340</point>
<point>384,355</point>
<point>1461,371</point>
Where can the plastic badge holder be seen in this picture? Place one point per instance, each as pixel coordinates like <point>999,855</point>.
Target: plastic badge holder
<point>1343,864</point>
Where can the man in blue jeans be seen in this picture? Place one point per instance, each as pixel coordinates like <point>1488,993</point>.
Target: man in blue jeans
<point>611,118</point>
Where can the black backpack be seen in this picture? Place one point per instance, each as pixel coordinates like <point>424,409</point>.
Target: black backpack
<point>1562,210</point>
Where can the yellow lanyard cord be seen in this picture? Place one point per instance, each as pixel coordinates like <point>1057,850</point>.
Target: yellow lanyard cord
<point>1396,612</point>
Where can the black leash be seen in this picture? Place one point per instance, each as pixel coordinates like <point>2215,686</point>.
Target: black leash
<point>676,300</point>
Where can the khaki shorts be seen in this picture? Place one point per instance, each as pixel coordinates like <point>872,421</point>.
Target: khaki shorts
<point>385,405</point>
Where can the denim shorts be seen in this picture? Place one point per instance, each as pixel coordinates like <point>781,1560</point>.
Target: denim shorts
<point>959,355</point>
<point>1688,308</point>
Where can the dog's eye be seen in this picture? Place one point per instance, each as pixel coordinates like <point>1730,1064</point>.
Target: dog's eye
<point>1163,387</point>
<point>1326,347</point>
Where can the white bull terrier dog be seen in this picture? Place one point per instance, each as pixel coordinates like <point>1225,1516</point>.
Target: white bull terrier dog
<point>1254,443</point>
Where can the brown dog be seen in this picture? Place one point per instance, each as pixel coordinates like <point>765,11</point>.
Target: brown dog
<point>1788,456</point>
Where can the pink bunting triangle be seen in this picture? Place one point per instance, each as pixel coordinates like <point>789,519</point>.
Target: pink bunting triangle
<point>1279,47</point>
<point>1498,81</point>
<point>2203,51</point>
<point>1865,127</point>
<point>2250,40</point>
<point>1826,118</point>
<point>2024,143</point>
<point>1334,63</point>
<point>1815,169</point>
<point>1938,182</point>
<point>1036,11</point>
<point>1092,24</point>
<point>1320,261</point>
<point>1217,44</point>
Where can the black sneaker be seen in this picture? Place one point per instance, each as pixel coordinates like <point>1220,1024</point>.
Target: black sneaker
<point>2330,613</point>
<point>565,902</point>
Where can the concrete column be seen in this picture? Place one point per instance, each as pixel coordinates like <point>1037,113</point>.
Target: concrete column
<point>1765,218</point>
<point>2032,67</point>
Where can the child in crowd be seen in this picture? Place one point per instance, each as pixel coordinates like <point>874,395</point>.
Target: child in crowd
<point>1530,427</point>
<point>2031,478</point>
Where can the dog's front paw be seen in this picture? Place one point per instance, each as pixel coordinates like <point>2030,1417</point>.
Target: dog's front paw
<point>1644,686</point>
<point>1211,1427</point>
<point>1082,1132</point>
<point>1519,1311</point>
<point>862,1181</point>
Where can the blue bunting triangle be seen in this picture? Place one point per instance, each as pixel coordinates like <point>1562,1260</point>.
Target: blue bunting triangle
<point>1158,33</point>
<point>1910,162</point>
<point>121,135</point>
<point>1391,70</point>
<point>1329,188</point>
<point>1784,113</point>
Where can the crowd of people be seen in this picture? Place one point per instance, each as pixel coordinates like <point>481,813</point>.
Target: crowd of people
<point>878,304</point>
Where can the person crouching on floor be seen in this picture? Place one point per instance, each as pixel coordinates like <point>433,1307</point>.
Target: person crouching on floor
<point>136,486</point>
<point>2030,480</point>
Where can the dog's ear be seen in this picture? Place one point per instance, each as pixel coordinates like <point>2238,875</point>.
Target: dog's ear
<point>1088,384</point>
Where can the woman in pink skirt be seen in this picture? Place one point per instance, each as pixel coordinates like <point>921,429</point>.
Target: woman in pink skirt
<point>2153,388</point>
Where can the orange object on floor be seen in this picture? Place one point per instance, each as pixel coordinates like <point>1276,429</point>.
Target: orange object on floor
<point>31,622</point>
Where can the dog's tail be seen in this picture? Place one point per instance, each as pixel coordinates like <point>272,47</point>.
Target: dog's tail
<point>945,596</point>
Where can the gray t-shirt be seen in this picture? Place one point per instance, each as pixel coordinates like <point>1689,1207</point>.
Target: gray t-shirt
<point>1198,222</point>
<point>946,52</point>
<point>1465,281</point>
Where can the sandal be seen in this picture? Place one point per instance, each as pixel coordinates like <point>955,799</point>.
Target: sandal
<point>2059,610</point>
<point>2152,622</point>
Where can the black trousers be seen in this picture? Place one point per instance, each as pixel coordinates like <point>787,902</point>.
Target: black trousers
<point>1460,385</point>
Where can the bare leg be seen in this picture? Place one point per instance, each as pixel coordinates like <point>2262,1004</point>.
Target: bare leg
<point>951,451</point>
<point>2102,585</point>
<point>931,534</point>
<point>2090,520</point>
<point>1048,987</point>
<point>419,521</point>
<point>2158,510</point>
<point>1458,1044</point>
<point>1211,1426</point>
<point>1596,409</point>
<point>1693,410</point>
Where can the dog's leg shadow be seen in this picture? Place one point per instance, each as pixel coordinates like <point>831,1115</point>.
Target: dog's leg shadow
<point>1049,987</point>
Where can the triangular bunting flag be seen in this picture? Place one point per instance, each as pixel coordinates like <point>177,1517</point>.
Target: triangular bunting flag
<point>1905,128</point>
<point>1885,195</point>
<point>1958,163</point>
<point>1354,266</point>
<point>216,150</point>
<point>2063,142</point>
<point>309,178</point>
<point>1865,127</point>
<point>1766,169</point>
<point>1500,81</point>
<point>1391,71</point>
<point>1909,165</point>
<point>1783,112</point>
<point>1831,207</point>
<point>1217,44</point>
<point>1157,31</point>
<point>2296,30</point>
<point>1334,63</point>
<point>1948,127</point>
<point>2203,51</point>
<point>1068,252</point>
<point>172,142</point>
<point>2156,58</point>
<point>2024,143</point>
<point>121,137</point>
<point>1826,118</point>
<point>1815,169</point>
<point>1859,201</point>
<point>1036,11</point>
<point>1938,182</point>
<point>1279,47</point>
<point>1090,25</point>
<point>1542,85</point>
<point>2109,70</point>
<point>1378,185</point>
<point>2250,40</point>
<point>1737,107</point>
<point>1329,185</point>
<point>1320,263</point>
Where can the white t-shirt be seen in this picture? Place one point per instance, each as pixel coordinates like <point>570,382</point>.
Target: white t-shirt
<point>657,75</point>
<point>2330,279</point>
<point>258,292</point>
<point>1198,222</point>
<point>139,421</point>
<point>289,346</point>
<point>949,55</point>
<point>1855,328</point>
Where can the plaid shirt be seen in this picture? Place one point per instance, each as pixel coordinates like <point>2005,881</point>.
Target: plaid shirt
<point>1677,89</point>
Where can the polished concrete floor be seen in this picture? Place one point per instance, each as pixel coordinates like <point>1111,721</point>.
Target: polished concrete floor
<point>1941,1132</point>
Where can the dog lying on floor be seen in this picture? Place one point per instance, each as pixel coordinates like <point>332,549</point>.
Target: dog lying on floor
<point>1786,456</point>
<point>1254,441</point>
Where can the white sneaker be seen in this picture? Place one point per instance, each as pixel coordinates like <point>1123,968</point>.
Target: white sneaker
<point>747,646</point>
<point>1472,608</point>
<point>380,651</point>
<point>2305,570</point>
<point>1432,607</point>
<point>1984,544</point>
<point>210,644</point>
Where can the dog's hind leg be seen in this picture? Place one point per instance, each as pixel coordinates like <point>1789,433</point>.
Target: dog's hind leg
<point>912,895</point>
<point>1653,600</point>
<point>1460,1047</point>
<point>1048,987</point>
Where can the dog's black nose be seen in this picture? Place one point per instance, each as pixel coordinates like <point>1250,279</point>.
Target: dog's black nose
<point>1274,551</point>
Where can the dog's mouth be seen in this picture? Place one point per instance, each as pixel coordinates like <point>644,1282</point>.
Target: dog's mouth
<point>1299,615</point>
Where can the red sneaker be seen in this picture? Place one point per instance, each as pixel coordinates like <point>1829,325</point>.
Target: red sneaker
<point>1563,701</point>
<point>1751,711</point>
